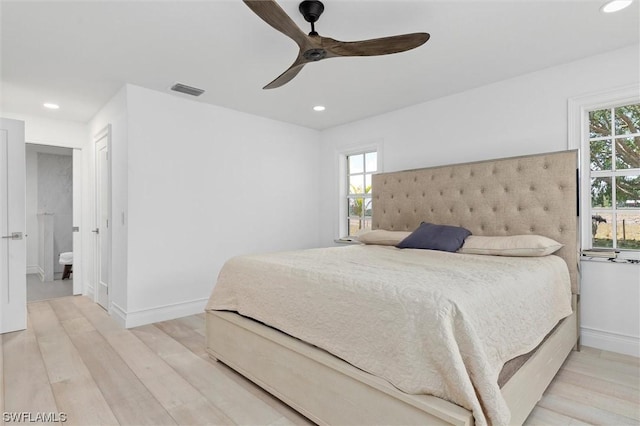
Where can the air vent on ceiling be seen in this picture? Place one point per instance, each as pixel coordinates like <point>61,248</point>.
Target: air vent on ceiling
<point>183,88</point>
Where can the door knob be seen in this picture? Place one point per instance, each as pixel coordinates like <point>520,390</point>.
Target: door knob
<point>96,231</point>
<point>13,236</point>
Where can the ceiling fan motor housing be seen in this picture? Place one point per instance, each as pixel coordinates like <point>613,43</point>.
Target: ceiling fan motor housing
<point>315,54</point>
<point>311,10</point>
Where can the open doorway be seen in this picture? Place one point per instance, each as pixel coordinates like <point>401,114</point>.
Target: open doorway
<point>49,221</point>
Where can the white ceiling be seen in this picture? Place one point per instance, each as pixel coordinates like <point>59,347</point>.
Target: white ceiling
<point>79,53</point>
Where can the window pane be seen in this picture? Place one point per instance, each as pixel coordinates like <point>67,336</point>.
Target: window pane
<point>627,119</point>
<point>371,160</point>
<point>628,191</point>
<point>355,206</point>
<point>355,226</point>
<point>601,192</point>
<point>628,230</point>
<point>600,123</point>
<point>356,163</point>
<point>367,184</point>
<point>601,229</point>
<point>367,223</point>
<point>628,153</point>
<point>600,155</point>
<point>356,184</point>
<point>367,207</point>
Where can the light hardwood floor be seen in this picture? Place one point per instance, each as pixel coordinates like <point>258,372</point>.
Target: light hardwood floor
<point>45,290</point>
<point>74,358</point>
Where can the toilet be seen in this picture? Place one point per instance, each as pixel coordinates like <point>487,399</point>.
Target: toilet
<point>66,259</point>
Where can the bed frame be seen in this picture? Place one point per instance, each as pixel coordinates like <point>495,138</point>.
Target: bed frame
<point>522,195</point>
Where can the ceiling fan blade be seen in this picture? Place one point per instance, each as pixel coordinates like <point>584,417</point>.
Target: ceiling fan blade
<point>288,75</point>
<point>272,14</point>
<point>374,47</point>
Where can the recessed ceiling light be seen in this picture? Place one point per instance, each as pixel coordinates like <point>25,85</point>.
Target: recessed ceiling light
<point>615,5</point>
<point>50,105</point>
<point>319,108</point>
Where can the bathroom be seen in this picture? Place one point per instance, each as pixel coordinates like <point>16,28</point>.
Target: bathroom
<point>49,220</point>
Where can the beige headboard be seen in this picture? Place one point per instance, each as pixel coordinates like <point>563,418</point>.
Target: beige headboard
<point>535,194</point>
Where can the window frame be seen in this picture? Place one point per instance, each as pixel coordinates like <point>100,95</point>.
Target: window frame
<point>343,181</point>
<point>579,138</point>
<point>365,196</point>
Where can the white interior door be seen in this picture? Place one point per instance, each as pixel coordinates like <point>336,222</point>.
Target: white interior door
<point>13,249</point>
<point>103,219</point>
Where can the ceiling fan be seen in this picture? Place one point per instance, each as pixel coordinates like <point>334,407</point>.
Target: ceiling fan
<point>314,47</point>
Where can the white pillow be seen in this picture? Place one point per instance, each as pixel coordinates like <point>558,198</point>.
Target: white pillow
<point>513,245</point>
<point>381,237</point>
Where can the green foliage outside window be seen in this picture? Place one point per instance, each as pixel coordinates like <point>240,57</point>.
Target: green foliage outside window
<point>360,168</point>
<point>615,169</point>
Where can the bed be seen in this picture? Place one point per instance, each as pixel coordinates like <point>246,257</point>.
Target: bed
<point>514,196</point>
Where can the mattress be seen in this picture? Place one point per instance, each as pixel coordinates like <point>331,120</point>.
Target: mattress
<point>428,322</point>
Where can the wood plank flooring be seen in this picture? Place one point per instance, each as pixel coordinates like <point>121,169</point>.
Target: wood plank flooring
<point>75,359</point>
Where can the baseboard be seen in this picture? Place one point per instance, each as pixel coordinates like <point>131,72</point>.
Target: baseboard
<point>159,313</point>
<point>118,314</point>
<point>609,341</point>
<point>89,292</point>
<point>40,272</point>
<point>33,269</point>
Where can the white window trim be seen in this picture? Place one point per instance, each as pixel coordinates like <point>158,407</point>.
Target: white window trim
<point>342,182</point>
<point>578,133</point>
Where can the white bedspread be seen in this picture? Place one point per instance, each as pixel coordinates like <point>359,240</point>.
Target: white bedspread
<point>429,322</point>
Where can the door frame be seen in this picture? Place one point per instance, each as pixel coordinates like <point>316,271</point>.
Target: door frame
<point>97,138</point>
<point>77,211</point>
<point>78,219</point>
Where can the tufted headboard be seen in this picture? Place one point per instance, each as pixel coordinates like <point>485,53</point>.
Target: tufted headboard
<point>534,194</point>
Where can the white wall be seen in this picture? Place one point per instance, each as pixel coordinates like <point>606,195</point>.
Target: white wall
<point>610,312</point>
<point>206,183</point>
<point>523,115</point>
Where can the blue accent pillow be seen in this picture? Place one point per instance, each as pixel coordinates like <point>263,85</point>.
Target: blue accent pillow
<point>436,237</point>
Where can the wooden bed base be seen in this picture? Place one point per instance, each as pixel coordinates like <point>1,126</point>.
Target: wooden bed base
<point>328,390</point>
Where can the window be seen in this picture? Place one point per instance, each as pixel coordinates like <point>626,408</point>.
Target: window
<point>614,176</point>
<point>360,167</point>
